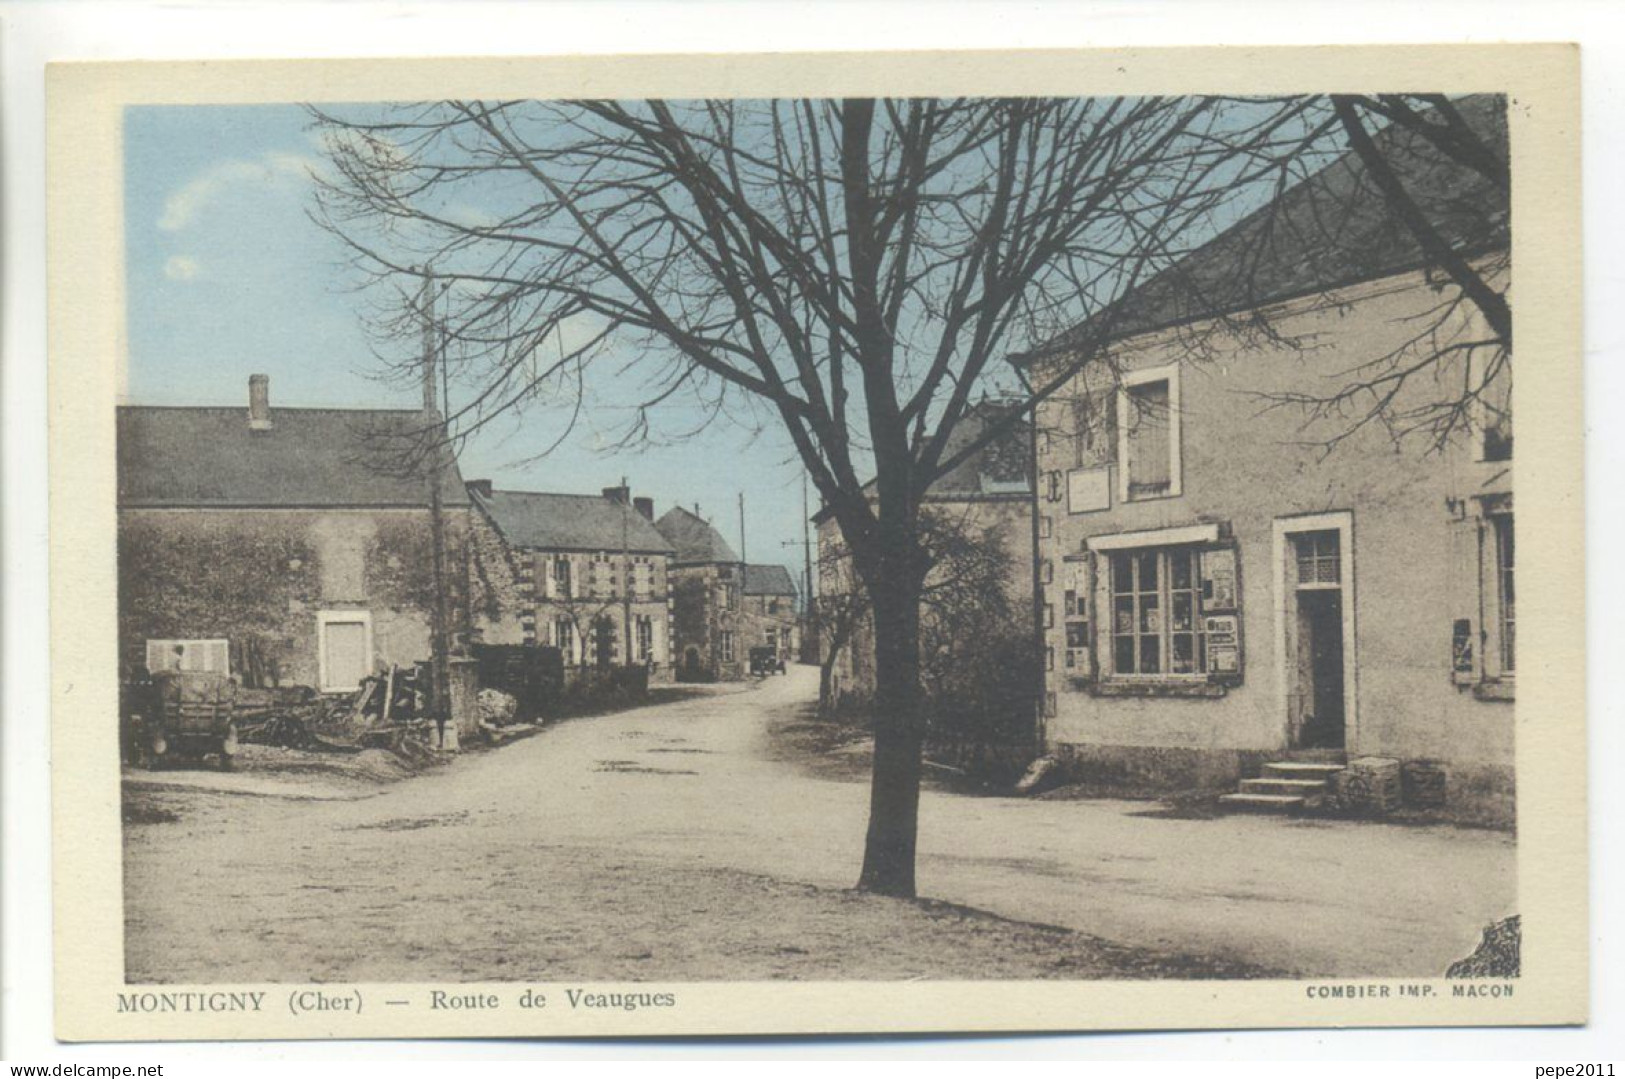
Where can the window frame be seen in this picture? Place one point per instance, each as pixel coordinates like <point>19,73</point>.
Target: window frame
<point>564,638</point>
<point>1502,529</point>
<point>644,635</point>
<point>189,643</point>
<point>1130,380</point>
<point>328,618</point>
<point>1164,593</point>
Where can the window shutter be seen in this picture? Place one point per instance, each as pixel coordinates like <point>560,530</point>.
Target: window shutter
<point>1465,655</point>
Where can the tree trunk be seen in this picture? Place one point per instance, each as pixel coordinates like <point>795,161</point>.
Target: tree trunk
<point>826,670</point>
<point>894,795</point>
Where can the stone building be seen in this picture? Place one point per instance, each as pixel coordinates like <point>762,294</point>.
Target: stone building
<point>990,493</point>
<point>1228,585</point>
<point>285,546</point>
<point>769,617</point>
<point>582,573</point>
<point>708,600</point>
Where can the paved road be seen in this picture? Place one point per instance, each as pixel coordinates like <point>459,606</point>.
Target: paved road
<point>593,813</point>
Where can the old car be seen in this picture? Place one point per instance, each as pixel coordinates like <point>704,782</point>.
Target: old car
<point>765,661</point>
<point>182,714</point>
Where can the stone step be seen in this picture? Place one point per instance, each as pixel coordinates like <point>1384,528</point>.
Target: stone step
<point>1304,788</point>
<point>1300,770</point>
<point>1262,803</point>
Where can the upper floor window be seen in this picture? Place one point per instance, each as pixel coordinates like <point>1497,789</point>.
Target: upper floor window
<point>561,577</point>
<point>1148,433</point>
<point>1491,407</point>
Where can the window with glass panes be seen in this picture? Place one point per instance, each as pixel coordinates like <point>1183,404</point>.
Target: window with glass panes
<point>1319,558</point>
<point>1157,613</point>
<point>646,637</point>
<point>1507,597</point>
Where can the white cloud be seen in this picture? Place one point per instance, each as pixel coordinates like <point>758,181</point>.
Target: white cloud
<point>181,268</point>
<point>182,207</point>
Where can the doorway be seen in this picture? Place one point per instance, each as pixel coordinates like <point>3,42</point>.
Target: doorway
<point>1318,671</point>
<point>1315,630</point>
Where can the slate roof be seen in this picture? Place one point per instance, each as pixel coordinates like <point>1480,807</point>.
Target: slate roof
<point>693,538</point>
<point>768,581</point>
<point>1331,230</point>
<point>311,457</point>
<point>563,522</point>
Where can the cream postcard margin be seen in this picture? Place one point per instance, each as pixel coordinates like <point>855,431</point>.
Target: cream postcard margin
<point>86,355</point>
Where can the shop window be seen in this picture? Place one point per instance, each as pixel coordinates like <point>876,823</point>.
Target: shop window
<point>1157,627</point>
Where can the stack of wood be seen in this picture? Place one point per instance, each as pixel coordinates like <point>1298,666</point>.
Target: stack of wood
<point>387,711</point>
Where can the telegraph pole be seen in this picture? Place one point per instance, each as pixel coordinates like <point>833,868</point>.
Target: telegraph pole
<point>439,652</point>
<point>626,573</point>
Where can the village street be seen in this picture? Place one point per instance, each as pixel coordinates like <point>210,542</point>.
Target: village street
<point>690,839</point>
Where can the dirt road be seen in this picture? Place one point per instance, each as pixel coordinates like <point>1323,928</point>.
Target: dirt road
<point>678,842</point>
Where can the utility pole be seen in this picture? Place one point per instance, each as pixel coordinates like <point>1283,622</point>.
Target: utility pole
<point>626,573</point>
<point>808,602</point>
<point>435,424</point>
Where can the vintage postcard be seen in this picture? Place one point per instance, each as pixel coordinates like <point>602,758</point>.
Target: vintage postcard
<point>807,544</point>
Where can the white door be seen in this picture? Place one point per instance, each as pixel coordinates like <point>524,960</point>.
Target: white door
<point>344,655</point>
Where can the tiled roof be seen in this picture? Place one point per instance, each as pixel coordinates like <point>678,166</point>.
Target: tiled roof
<point>693,538</point>
<point>560,522</point>
<point>310,457</point>
<point>768,581</point>
<point>1330,230</point>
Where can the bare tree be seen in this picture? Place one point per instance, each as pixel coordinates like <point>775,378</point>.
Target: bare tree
<point>852,271</point>
<point>1395,183</point>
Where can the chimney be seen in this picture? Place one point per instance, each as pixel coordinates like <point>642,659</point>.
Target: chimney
<point>620,495</point>
<point>259,402</point>
<point>479,487</point>
<point>645,506</point>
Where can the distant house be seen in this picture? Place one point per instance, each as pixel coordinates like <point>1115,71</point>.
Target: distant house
<point>582,573</point>
<point>707,597</point>
<point>287,546</point>
<point>1223,593</point>
<point>769,616</point>
<point>990,491</point>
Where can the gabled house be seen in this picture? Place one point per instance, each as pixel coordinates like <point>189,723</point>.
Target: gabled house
<point>586,574</point>
<point>287,546</point>
<point>707,598</point>
<point>1230,588</point>
<point>990,493</point>
<point>769,611</point>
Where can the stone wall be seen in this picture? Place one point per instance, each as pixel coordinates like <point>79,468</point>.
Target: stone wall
<point>699,619</point>
<point>259,578</point>
<point>1417,520</point>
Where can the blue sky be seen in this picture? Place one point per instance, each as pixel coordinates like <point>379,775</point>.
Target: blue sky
<point>228,277</point>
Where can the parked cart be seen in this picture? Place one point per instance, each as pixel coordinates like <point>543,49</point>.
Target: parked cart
<point>186,714</point>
